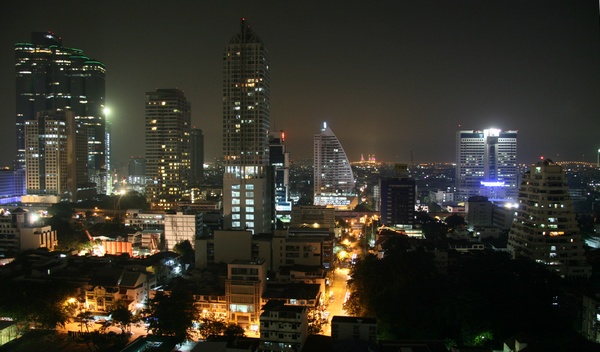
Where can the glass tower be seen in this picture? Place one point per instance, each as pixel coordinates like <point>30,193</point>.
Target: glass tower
<point>246,121</point>
<point>51,77</point>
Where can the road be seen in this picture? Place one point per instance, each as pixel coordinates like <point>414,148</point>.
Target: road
<point>339,290</point>
<point>136,330</point>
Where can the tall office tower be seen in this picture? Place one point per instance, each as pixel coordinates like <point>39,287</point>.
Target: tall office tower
<point>545,228</point>
<point>109,175</point>
<point>333,177</point>
<point>51,77</point>
<point>398,198</point>
<point>55,156</point>
<point>486,164</point>
<point>246,122</point>
<point>280,161</point>
<point>197,155</point>
<point>168,125</point>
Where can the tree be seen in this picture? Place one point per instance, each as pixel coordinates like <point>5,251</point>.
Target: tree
<point>121,316</point>
<point>233,330</point>
<point>314,322</point>
<point>63,210</point>
<point>212,326</point>
<point>84,319</point>
<point>172,315</point>
<point>364,206</point>
<point>185,249</point>
<point>45,304</point>
<point>455,221</point>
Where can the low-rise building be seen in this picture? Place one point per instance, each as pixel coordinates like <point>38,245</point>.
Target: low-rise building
<point>111,284</point>
<point>353,328</point>
<point>244,287</point>
<point>283,327</point>
<point>19,232</point>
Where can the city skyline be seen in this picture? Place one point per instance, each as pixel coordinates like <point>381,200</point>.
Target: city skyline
<point>394,78</point>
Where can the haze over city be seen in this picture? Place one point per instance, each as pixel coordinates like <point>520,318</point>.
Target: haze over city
<point>389,77</point>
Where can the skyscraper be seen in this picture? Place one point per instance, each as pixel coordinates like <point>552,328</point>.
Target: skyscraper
<point>486,163</point>
<point>55,156</point>
<point>545,228</point>
<point>168,124</point>
<point>51,77</point>
<point>280,162</point>
<point>246,122</point>
<point>197,156</point>
<point>333,177</point>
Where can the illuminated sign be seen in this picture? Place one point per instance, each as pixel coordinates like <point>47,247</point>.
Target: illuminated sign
<point>492,183</point>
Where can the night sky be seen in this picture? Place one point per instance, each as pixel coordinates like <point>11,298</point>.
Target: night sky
<point>389,77</point>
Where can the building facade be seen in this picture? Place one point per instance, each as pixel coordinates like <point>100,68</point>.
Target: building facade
<point>283,327</point>
<point>19,233</point>
<point>244,287</point>
<point>55,156</point>
<point>279,159</point>
<point>545,228</point>
<point>398,199</point>
<point>51,77</point>
<point>333,177</point>
<point>179,227</point>
<point>486,163</point>
<point>197,156</point>
<point>247,190</point>
<point>168,128</point>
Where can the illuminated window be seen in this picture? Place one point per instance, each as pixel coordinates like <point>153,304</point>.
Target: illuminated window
<point>249,209</point>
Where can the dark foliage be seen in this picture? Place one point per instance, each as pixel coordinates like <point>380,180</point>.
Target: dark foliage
<point>172,315</point>
<point>487,299</point>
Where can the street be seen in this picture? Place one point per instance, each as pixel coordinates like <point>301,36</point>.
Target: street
<point>339,292</point>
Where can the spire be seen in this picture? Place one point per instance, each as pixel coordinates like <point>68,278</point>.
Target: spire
<point>246,35</point>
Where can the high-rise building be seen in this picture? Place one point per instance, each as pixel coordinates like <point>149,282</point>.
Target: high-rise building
<point>280,161</point>
<point>486,164</point>
<point>197,156</point>
<point>168,124</point>
<point>398,198</point>
<point>247,198</point>
<point>333,177</point>
<point>55,156</point>
<point>51,77</point>
<point>545,228</point>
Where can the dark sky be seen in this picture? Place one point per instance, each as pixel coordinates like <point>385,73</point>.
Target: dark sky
<point>389,77</point>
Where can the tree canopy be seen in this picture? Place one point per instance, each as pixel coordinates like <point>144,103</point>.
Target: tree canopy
<point>172,314</point>
<point>46,304</point>
<point>121,316</point>
<point>476,303</point>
